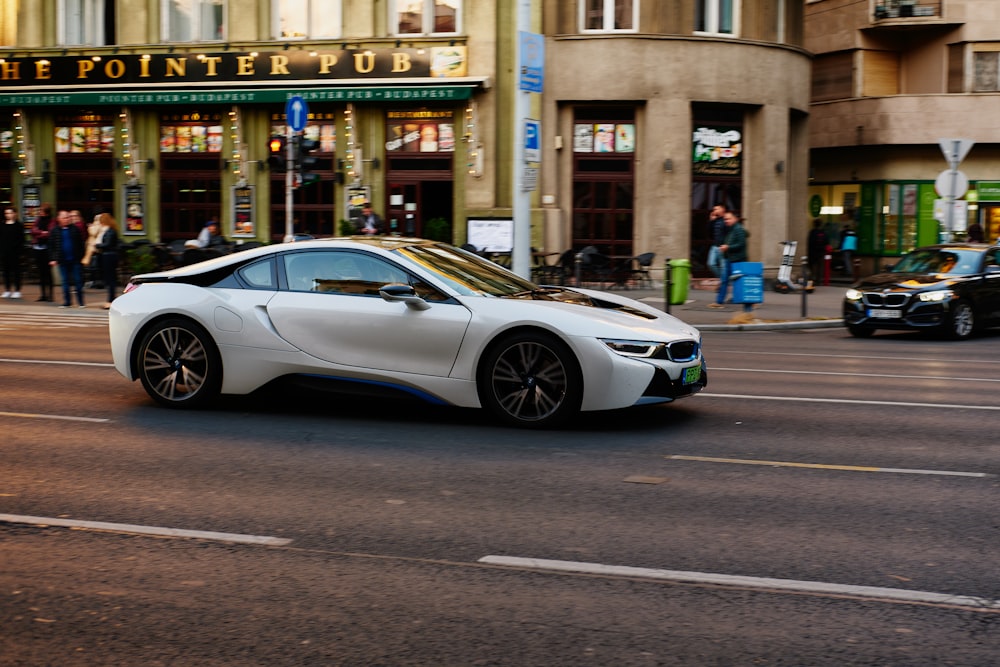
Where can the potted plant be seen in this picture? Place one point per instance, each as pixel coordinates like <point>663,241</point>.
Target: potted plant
<point>437,229</point>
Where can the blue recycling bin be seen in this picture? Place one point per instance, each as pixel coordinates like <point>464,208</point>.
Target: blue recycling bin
<point>748,282</point>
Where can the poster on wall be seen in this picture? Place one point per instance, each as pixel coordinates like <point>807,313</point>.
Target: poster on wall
<point>31,199</point>
<point>244,225</point>
<point>718,151</point>
<point>355,197</point>
<point>135,210</point>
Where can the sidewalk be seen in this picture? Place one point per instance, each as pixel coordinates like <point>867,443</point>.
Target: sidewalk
<point>778,311</point>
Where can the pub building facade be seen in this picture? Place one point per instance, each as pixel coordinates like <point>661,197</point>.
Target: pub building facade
<point>648,115</point>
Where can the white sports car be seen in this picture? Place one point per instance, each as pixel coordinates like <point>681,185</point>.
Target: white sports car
<point>391,315</point>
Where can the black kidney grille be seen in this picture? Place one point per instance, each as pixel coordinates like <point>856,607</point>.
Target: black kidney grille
<point>892,300</point>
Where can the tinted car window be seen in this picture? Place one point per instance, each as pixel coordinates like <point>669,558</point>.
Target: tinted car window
<point>933,260</point>
<point>259,275</point>
<point>346,272</point>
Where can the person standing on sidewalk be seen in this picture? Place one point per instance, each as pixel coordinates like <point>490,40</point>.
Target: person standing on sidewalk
<point>40,249</point>
<point>11,242</point>
<point>733,249</point>
<point>107,254</point>
<point>816,246</point>
<point>67,247</point>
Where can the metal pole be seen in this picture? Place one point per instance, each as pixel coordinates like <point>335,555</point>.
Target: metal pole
<point>805,284</point>
<point>289,183</point>
<point>578,268</point>
<point>666,285</point>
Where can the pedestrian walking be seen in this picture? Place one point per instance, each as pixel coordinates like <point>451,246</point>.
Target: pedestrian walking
<point>848,246</point>
<point>717,233</point>
<point>11,244</point>
<point>733,249</point>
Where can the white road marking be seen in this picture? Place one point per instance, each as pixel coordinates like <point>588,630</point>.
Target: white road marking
<point>61,320</point>
<point>825,466</point>
<point>34,415</point>
<point>762,583</point>
<point>853,401</point>
<point>237,538</point>
<point>57,363</point>
<point>857,375</point>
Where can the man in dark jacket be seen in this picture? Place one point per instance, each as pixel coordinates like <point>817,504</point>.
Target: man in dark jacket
<point>817,244</point>
<point>66,247</point>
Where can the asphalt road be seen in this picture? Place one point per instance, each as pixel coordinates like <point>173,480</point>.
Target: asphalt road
<point>851,485</point>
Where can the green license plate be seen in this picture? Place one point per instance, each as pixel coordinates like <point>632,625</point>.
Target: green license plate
<point>692,375</point>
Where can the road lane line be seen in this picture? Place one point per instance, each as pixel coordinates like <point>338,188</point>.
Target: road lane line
<point>826,466</point>
<point>762,583</point>
<point>32,415</point>
<point>237,538</point>
<point>855,401</point>
<point>867,375</point>
<point>973,360</point>
<point>100,364</point>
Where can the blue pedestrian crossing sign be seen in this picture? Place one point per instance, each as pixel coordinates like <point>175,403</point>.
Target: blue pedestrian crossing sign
<point>296,113</point>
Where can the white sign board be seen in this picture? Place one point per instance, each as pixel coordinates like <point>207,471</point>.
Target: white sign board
<point>491,235</point>
<point>959,213</point>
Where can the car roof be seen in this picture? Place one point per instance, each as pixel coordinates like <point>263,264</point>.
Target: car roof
<point>384,243</point>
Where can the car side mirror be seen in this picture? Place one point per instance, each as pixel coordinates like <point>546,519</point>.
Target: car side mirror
<point>396,293</point>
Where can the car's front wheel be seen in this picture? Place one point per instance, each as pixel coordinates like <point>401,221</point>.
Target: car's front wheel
<point>178,364</point>
<point>859,331</point>
<point>531,380</point>
<point>961,322</point>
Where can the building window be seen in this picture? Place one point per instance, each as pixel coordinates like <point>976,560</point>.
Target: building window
<point>301,19</point>
<point>608,15</point>
<point>987,72</point>
<point>426,17</point>
<point>84,22</point>
<point>716,17</point>
<point>193,20</point>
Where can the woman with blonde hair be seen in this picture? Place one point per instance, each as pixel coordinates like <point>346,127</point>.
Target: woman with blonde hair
<point>107,247</point>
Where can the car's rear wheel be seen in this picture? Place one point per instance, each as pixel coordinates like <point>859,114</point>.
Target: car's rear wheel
<point>531,380</point>
<point>860,331</point>
<point>178,364</point>
<point>961,321</point>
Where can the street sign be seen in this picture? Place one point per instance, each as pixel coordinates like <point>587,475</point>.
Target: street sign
<point>532,140</point>
<point>952,214</point>
<point>532,74</point>
<point>951,184</point>
<point>296,113</point>
<point>955,150</point>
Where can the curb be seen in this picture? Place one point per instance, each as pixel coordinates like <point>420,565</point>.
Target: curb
<point>769,326</point>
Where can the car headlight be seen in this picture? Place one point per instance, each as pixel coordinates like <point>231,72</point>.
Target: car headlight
<point>633,348</point>
<point>936,295</point>
<point>853,295</point>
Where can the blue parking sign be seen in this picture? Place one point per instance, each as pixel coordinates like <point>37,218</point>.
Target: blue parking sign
<point>532,140</point>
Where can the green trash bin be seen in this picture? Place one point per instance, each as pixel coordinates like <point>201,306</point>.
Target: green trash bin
<point>680,281</point>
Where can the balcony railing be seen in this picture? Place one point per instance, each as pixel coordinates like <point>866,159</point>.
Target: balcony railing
<point>904,9</point>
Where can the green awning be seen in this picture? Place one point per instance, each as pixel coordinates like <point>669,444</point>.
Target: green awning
<point>416,93</point>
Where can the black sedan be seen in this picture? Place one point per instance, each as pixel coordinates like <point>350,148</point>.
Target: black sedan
<point>951,289</point>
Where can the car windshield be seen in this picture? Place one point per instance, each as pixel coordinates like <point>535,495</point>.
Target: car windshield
<point>465,272</point>
<point>939,260</point>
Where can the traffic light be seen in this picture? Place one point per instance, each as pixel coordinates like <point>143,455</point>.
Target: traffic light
<point>306,160</point>
<point>276,158</point>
